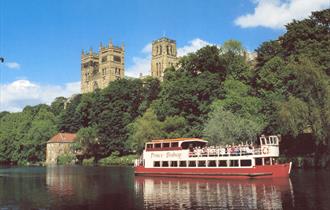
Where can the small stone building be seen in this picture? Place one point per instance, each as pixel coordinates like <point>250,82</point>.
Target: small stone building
<point>59,145</point>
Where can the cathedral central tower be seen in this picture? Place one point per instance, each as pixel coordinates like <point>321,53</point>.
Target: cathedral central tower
<point>164,55</point>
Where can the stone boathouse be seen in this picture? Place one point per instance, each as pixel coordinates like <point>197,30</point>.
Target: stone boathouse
<point>59,145</point>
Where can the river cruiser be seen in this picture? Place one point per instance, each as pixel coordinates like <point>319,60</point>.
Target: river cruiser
<point>191,157</point>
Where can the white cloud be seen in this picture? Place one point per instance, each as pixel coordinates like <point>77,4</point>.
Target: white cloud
<point>20,93</point>
<point>13,65</point>
<point>193,46</point>
<point>140,65</point>
<point>276,13</point>
<point>143,64</point>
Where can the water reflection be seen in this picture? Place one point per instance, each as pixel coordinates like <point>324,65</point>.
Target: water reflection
<point>169,193</point>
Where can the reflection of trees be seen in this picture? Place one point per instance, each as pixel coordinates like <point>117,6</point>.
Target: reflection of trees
<point>22,189</point>
<point>192,193</point>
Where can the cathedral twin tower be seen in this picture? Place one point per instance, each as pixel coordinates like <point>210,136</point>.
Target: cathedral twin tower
<point>98,69</point>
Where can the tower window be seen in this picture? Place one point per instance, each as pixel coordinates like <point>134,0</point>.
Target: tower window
<point>167,50</point>
<point>117,58</point>
<point>104,59</point>
<point>160,49</point>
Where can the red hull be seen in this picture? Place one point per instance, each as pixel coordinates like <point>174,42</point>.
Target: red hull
<point>280,170</point>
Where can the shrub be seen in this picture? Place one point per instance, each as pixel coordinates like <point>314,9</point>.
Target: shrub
<point>66,159</point>
<point>114,160</point>
<point>88,162</point>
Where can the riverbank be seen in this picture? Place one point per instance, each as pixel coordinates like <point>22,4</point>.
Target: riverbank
<point>112,160</point>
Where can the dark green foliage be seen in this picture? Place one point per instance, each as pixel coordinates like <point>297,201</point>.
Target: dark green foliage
<point>23,135</point>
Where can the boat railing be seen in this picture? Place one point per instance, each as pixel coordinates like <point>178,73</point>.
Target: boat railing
<point>225,152</point>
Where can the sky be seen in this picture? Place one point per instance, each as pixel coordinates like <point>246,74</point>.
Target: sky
<point>42,40</point>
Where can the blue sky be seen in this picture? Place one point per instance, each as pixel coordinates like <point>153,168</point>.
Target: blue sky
<point>42,40</point>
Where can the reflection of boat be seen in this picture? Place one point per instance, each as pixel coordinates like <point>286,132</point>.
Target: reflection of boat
<point>162,192</point>
<point>190,157</point>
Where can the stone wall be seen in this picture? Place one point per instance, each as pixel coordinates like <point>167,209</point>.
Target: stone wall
<point>56,149</point>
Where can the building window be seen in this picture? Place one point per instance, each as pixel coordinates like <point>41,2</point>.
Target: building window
<point>117,58</point>
<point>96,86</point>
<point>167,50</point>
<point>160,50</point>
<point>104,59</point>
<point>156,69</point>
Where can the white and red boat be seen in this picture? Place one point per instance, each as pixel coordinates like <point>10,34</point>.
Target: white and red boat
<point>191,157</point>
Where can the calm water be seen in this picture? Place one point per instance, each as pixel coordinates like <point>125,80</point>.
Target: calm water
<point>78,187</point>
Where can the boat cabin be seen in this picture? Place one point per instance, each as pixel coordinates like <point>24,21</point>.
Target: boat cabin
<point>194,152</point>
<point>174,144</point>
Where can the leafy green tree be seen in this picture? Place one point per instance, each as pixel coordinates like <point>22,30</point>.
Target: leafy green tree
<point>174,127</point>
<point>120,104</point>
<point>235,118</point>
<point>224,127</point>
<point>88,142</point>
<point>309,37</point>
<point>69,120</point>
<point>144,129</point>
<point>57,106</point>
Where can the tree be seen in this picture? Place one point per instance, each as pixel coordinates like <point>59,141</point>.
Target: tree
<point>224,127</point>
<point>57,106</point>
<point>144,129</point>
<point>88,142</point>
<point>235,118</point>
<point>188,91</point>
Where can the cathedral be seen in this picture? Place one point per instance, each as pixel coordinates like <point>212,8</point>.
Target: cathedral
<point>99,69</point>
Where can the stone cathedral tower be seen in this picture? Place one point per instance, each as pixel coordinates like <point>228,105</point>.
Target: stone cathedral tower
<point>164,55</point>
<point>98,69</point>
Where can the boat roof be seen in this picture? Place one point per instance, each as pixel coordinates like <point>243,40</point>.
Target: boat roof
<point>177,140</point>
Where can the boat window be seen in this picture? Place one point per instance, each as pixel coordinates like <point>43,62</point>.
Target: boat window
<point>185,145</point>
<point>183,163</point>
<point>150,146</point>
<point>166,145</point>
<point>212,163</point>
<point>222,163</point>
<point>158,145</point>
<point>267,161</point>
<point>192,163</point>
<point>175,144</point>
<point>165,164</point>
<point>174,164</point>
<point>156,164</point>
<point>202,163</point>
<point>258,161</point>
<point>246,162</point>
<point>234,163</point>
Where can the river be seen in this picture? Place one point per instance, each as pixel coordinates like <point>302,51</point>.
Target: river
<point>78,187</point>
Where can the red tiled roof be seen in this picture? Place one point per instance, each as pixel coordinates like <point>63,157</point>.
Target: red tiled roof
<point>63,138</point>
